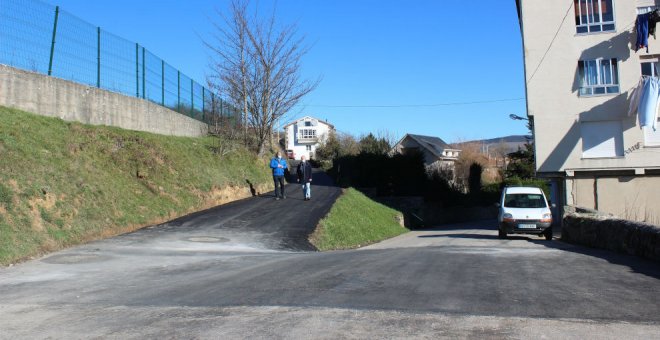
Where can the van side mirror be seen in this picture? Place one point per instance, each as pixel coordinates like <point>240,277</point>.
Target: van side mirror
<point>497,204</point>
<point>553,205</point>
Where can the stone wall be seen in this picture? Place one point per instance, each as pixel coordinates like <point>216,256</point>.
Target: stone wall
<point>54,97</point>
<point>606,232</point>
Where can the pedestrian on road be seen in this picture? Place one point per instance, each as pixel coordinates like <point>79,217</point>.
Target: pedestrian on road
<point>305,177</point>
<point>278,165</point>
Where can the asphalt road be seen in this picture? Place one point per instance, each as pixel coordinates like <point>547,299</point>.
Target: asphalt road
<point>241,271</point>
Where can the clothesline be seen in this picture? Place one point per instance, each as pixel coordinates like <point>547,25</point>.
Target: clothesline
<point>645,26</point>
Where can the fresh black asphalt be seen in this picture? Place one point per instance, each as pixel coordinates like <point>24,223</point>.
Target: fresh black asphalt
<point>255,254</point>
<point>284,224</point>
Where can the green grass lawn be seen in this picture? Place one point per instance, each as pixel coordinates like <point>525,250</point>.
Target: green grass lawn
<point>355,221</point>
<point>64,183</point>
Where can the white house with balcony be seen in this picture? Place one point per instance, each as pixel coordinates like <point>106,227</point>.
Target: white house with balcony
<point>304,135</point>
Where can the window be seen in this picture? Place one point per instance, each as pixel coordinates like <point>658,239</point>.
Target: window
<point>602,139</point>
<point>308,147</point>
<point>650,67</point>
<point>308,123</point>
<point>600,76</point>
<point>307,133</point>
<point>524,201</point>
<point>594,16</point>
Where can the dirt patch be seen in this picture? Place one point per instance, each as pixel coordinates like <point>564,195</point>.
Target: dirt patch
<point>13,184</point>
<point>219,196</point>
<point>47,202</point>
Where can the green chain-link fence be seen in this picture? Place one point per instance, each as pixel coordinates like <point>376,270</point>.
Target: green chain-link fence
<point>42,38</point>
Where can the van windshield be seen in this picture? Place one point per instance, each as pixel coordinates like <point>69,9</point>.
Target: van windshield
<point>524,201</point>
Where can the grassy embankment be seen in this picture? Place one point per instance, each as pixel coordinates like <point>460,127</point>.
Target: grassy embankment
<point>64,183</point>
<point>354,221</point>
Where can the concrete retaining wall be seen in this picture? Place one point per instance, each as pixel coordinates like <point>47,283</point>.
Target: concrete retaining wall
<point>71,101</point>
<point>634,238</point>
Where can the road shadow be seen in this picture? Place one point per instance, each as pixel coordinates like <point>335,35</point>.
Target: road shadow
<point>467,236</point>
<point>634,263</point>
<point>489,224</point>
<point>320,178</point>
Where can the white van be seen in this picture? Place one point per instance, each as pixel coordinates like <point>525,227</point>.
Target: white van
<point>524,210</point>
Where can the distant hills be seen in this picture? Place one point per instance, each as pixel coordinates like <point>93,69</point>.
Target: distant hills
<point>499,145</point>
<point>506,139</point>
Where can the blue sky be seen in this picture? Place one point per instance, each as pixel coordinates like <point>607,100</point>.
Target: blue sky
<point>408,55</point>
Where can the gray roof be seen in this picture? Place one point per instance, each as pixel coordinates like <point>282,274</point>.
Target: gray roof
<point>433,144</point>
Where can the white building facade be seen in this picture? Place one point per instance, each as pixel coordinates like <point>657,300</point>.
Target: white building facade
<point>582,64</point>
<point>304,135</point>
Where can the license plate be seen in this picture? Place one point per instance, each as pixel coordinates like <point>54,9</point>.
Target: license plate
<point>527,226</point>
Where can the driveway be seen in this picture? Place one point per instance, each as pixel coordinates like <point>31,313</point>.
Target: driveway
<point>259,223</point>
<point>207,277</point>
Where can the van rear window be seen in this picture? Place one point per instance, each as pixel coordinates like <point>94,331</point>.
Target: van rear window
<point>524,201</point>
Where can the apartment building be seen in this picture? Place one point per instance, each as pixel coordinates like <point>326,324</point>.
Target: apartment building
<point>582,65</point>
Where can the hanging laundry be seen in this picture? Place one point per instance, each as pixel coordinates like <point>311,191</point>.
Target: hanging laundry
<point>642,26</point>
<point>648,103</point>
<point>636,94</point>
<point>654,18</point>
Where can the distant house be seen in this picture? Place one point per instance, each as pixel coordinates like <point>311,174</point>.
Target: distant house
<point>304,135</point>
<point>438,155</point>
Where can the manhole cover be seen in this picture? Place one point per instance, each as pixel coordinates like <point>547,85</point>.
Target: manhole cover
<point>72,258</point>
<point>207,239</point>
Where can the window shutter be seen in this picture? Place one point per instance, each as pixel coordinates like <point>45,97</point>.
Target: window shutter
<point>602,139</point>
<point>651,138</point>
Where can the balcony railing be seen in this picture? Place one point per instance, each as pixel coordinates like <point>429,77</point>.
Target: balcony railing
<point>306,138</point>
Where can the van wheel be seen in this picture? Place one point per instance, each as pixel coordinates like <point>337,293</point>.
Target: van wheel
<point>501,234</point>
<point>548,234</point>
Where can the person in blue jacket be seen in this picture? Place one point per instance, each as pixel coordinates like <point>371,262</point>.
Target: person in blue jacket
<point>278,164</point>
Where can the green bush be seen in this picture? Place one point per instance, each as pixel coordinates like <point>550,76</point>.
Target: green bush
<point>539,183</point>
<point>397,175</point>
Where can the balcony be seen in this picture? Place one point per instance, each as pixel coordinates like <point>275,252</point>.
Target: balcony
<point>307,136</point>
<point>306,139</point>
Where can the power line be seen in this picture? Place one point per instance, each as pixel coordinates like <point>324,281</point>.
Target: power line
<point>420,105</point>
<point>551,42</point>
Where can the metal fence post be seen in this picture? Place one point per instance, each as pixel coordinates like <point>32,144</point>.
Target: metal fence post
<point>214,106</point>
<point>52,44</point>
<point>98,57</point>
<point>144,90</point>
<point>178,90</point>
<point>192,98</point>
<point>137,70</point>
<point>203,101</point>
<point>162,82</point>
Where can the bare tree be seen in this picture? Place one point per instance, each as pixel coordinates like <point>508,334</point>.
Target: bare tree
<point>230,62</point>
<point>258,65</point>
